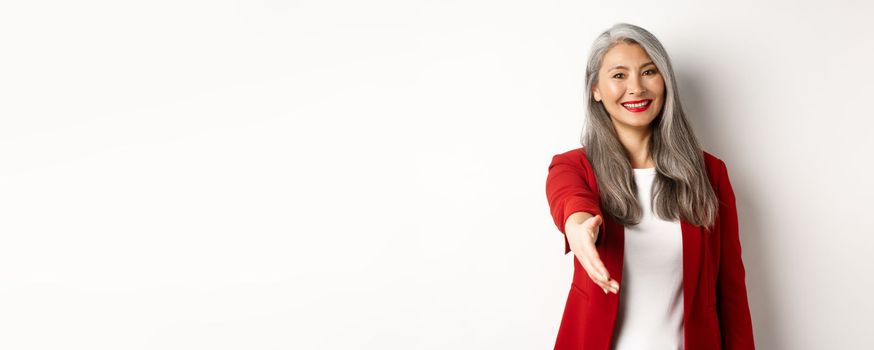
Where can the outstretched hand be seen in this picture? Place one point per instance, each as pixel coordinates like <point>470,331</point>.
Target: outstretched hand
<point>581,239</point>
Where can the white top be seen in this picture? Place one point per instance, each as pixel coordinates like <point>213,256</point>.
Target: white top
<point>651,291</point>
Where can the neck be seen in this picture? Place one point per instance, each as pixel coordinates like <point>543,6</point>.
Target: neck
<point>636,143</point>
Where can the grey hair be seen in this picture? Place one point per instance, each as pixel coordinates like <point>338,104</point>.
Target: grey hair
<point>681,187</point>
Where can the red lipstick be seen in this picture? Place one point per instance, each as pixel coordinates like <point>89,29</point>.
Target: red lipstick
<point>637,109</point>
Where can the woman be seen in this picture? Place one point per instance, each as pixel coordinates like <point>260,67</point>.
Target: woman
<point>642,206</point>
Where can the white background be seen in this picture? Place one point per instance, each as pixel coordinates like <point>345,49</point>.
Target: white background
<point>370,175</point>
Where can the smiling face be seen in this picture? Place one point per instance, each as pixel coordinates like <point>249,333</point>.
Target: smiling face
<point>628,75</point>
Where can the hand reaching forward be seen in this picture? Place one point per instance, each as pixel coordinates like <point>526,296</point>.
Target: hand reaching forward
<point>581,238</point>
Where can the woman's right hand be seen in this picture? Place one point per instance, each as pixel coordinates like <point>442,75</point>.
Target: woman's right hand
<point>581,238</point>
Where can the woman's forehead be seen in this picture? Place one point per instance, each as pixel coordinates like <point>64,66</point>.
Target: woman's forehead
<point>626,56</point>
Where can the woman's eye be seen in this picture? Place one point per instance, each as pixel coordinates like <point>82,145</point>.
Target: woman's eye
<point>617,75</point>
<point>651,70</point>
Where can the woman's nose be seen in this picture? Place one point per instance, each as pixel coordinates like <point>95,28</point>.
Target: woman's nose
<point>634,86</point>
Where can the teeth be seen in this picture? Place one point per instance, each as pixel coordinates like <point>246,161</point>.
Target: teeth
<point>636,105</point>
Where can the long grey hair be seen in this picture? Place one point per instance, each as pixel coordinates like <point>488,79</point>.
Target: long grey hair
<point>681,187</point>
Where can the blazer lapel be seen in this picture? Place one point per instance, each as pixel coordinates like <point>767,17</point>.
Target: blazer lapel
<point>692,251</point>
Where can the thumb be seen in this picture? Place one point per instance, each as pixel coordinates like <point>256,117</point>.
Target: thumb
<point>596,220</point>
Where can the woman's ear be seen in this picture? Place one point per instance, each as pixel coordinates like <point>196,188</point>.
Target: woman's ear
<point>596,93</point>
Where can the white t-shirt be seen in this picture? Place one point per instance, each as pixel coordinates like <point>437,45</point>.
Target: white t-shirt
<point>651,294</point>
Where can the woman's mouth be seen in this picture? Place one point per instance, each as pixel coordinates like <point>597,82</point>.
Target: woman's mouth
<point>637,106</point>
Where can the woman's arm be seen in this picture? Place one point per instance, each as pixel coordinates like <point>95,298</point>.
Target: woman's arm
<point>577,215</point>
<point>733,307</point>
<point>568,193</point>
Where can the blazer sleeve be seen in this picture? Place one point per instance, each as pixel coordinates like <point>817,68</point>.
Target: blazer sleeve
<point>733,306</point>
<point>567,192</point>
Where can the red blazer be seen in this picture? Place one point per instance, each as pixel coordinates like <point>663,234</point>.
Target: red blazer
<point>716,310</point>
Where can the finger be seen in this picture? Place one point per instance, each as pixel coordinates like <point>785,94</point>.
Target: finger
<point>592,271</point>
<point>609,287</point>
<point>589,269</point>
<point>603,283</point>
<point>592,256</point>
<point>599,280</point>
<point>612,286</point>
<point>595,259</point>
<point>606,288</point>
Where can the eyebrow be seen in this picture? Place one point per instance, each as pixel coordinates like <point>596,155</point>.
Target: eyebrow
<point>619,66</point>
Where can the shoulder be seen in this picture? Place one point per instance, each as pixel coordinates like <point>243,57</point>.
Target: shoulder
<point>712,162</point>
<point>717,171</point>
<point>573,153</point>
<point>575,157</point>
<point>573,161</point>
